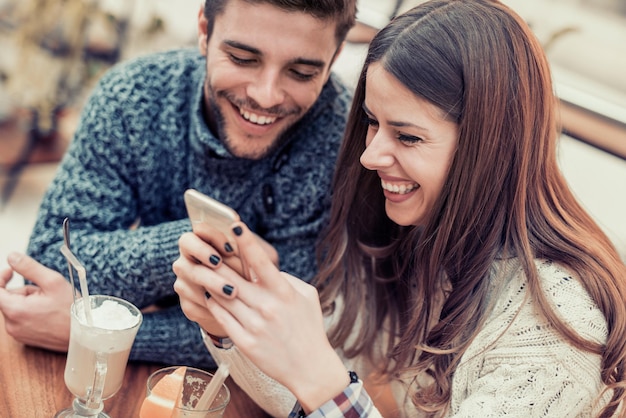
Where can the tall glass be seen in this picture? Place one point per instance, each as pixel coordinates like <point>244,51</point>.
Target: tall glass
<point>98,353</point>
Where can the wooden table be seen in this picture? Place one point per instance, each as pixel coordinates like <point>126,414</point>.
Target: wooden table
<point>32,385</point>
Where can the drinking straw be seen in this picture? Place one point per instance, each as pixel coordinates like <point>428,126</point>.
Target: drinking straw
<point>82,278</point>
<point>66,240</point>
<point>213,387</point>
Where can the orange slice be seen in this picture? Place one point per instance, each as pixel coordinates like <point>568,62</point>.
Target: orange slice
<point>164,395</point>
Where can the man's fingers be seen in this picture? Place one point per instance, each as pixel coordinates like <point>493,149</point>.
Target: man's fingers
<point>31,270</point>
<point>6,275</point>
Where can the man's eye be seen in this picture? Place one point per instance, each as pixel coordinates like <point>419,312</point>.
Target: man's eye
<point>241,61</point>
<point>302,76</point>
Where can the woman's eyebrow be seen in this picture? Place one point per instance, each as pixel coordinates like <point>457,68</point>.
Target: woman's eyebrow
<point>397,124</point>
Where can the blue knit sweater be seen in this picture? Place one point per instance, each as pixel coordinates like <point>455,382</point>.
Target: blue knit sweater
<point>141,142</point>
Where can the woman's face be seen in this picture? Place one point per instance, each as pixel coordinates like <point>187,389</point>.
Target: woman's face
<point>409,143</point>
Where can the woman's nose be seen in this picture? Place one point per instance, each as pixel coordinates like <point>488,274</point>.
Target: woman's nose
<point>377,154</point>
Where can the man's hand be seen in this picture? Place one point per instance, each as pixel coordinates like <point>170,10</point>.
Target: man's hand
<point>36,314</point>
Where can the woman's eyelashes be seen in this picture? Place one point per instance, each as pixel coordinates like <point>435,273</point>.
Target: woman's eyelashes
<point>373,126</point>
<point>370,122</point>
<point>408,139</point>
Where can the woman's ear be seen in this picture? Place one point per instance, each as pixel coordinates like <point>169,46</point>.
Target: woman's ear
<point>202,31</point>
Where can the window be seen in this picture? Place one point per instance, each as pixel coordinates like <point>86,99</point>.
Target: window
<point>585,41</point>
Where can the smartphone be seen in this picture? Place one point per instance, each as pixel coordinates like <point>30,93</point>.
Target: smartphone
<point>216,218</point>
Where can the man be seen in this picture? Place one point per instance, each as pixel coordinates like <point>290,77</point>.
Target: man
<point>255,120</point>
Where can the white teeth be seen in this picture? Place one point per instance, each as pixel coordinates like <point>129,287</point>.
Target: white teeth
<point>399,188</point>
<point>254,118</point>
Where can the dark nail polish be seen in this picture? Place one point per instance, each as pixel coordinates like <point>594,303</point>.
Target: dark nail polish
<point>237,230</point>
<point>214,259</point>
<point>207,295</point>
<point>228,248</point>
<point>228,289</point>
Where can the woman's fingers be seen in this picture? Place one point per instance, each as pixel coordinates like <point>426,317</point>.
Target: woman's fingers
<point>196,248</point>
<point>255,256</point>
<point>194,280</point>
<point>216,238</point>
<point>193,247</point>
<point>194,284</point>
<point>227,314</point>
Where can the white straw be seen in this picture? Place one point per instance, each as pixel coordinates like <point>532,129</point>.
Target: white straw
<point>82,278</point>
<point>213,387</point>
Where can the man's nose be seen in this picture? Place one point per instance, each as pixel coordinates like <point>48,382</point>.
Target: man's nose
<point>267,90</point>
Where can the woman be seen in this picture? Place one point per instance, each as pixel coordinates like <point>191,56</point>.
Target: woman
<point>457,266</point>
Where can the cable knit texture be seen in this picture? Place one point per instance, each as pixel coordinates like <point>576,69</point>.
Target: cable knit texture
<point>141,142</point>
<point>517,366</point>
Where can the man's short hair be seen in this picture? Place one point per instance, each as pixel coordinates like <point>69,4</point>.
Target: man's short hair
<point>343,12</point>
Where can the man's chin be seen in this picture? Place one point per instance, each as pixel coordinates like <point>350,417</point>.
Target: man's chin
<point>253,147</point>
<point>252,150</point>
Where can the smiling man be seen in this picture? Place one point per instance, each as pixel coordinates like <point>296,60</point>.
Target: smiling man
<point>254,119</point>
<point>263,76</point>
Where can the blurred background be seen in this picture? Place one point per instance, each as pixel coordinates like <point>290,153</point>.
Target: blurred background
<point>52,52</point>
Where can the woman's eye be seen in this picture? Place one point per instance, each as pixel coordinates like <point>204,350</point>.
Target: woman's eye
<point>370,122</point>
<point>409,139</point>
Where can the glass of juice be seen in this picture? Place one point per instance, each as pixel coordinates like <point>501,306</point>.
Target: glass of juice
<point>184,403</point>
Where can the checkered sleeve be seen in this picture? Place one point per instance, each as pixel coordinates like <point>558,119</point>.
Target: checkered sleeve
<point>353,402</point>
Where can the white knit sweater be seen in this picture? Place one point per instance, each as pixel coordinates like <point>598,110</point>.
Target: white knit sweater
<point>517,366</point>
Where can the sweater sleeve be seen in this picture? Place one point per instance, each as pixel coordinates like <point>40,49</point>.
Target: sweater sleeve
<point>168,337</point>
<point>274,398</point>
<point>277,400</point>
<point>124,233</point>
<point>98,187</point>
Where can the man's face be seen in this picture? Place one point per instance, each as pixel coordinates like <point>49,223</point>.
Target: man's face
<point>265,69</point>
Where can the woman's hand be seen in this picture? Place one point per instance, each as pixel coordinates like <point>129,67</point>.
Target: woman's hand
<point>193,269</point>
<point>207,253</point>
<point>275,320</point>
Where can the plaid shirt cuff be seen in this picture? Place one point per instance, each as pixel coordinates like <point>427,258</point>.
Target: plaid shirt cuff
<point>353,402</point>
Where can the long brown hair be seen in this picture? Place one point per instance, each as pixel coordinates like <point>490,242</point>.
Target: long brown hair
<point>504,195</point>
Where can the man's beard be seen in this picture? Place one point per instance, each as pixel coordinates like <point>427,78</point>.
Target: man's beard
<point>220,126</point>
